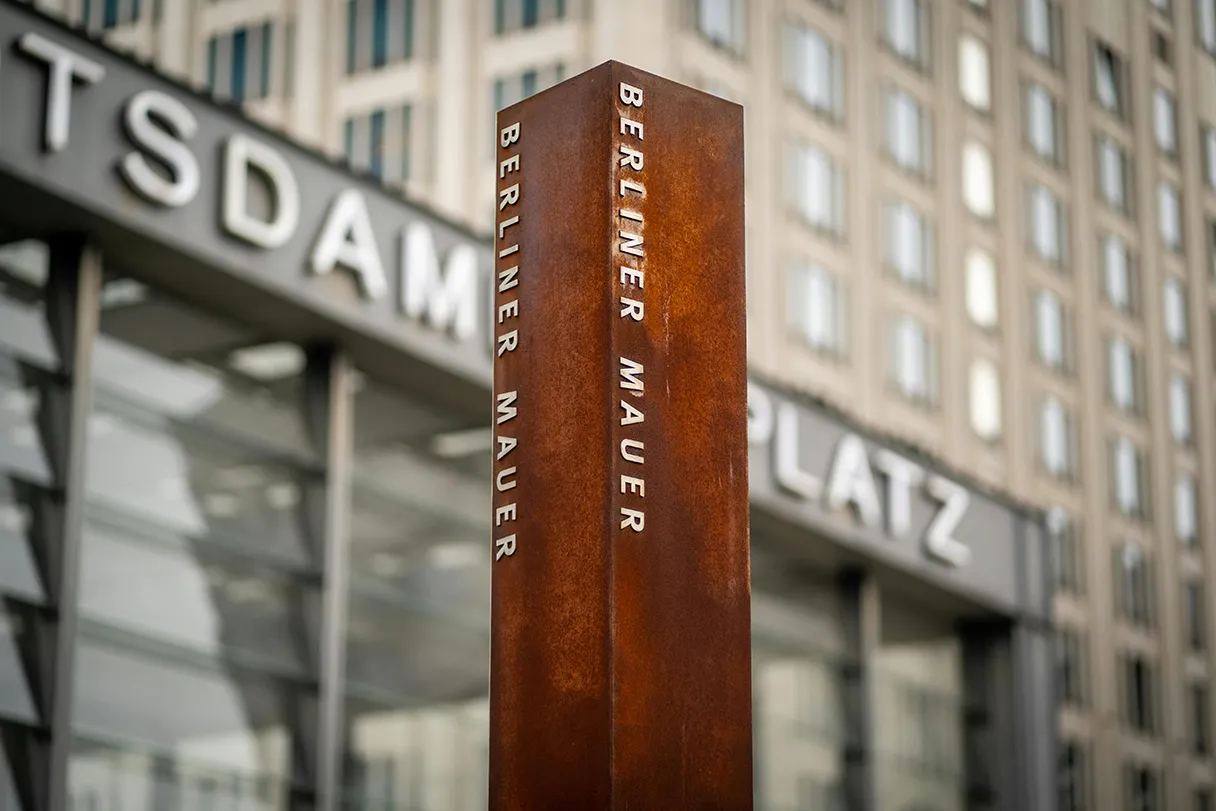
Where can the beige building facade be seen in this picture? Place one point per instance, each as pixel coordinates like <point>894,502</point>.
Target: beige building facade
<point>986,228</point>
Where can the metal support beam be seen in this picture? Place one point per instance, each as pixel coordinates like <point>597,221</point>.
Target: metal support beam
<point>73,312</point>
<point>329,407</point>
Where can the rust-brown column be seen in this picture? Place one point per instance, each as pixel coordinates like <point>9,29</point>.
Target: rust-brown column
<point>620,657</point>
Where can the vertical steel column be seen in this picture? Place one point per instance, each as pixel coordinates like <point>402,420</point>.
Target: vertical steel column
<point>858,598</point>
<point>329,402</point>
<point>73,311</point>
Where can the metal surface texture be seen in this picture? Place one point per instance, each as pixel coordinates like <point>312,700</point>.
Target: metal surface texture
<point>620,654</point>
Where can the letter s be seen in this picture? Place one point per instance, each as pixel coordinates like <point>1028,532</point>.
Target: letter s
<point>165,144</point>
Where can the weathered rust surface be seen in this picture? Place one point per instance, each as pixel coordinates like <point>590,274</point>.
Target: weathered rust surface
<point>620,659</point>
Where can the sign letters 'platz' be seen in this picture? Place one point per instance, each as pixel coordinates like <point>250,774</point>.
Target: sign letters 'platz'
<point>620,658</point>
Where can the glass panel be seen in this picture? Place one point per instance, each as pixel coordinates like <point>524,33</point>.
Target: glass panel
<point>918,677</point>
<point>108,778</point>
<point>192,596</point>
<point>798,651</point>
<point>16,700</point>
<point>197,585</point>
<point>8,789</point>
<point>24,333</point>
<point>22,448</point>
<point>19,576</point>
<point>230,721</point>
<point>418,644</point>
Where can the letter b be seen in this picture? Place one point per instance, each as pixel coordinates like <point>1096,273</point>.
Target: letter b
<point>631,95</point>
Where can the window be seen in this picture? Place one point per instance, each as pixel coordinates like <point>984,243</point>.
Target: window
<point>1165,128</point>
<point>1048,228</point>
<point>378,33</point>
<point>1112,173</point>
<point>981,288</point>
<point>1053,338</point>
<point>1139,693</point>
<point>513,89</point>
<point>974,72</point>
<point>978,193</point>
<point>819,309</point>
<point>1140,788</point>
<point>909,245</point>
<point>1109,80</point>
<point>379,143</point>
<point>513,15</point>
<point>1208,136</point>
<point>1128,473</point>
<point>1174,301</point>
<point>722,23</point>
<point>1119,282</point>
<point>814,69</point>
<point>1162,6</point>
<point>1205,21</point>
<point>239,63</point>
<point>913,361</point>
<point>909,134</point>
<point>1211,226</point>
<point>1186,514</point>
<point>1200,738</point>
<point>1071,667</point>
<point>816,187</point>
<point>1123,375</point>
<point>1044,124</point>
<point>1074,777</point>
<point>906,29</point>
<point>1041,29</point>
<point>99,14</point>
<point>1180,409</point>
<point>1169,216</point>
<point>1067,564</point>
<point>1134,585</point>
<point>1056,442</point>
<point>1162,48</point>
<point>1193,607</point>
<point>985,400</point>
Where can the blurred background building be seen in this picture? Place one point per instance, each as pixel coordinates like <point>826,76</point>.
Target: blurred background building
<point>986,228</point>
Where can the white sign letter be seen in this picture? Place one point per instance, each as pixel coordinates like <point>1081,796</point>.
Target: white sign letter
<point>347,239</point>
<point>447,298</point>
<point>902,475</point>
<point>852,482</point>
<point>166,144</point>
<point>65,65</point>
<point>939,537</point>
<point>241,154</point>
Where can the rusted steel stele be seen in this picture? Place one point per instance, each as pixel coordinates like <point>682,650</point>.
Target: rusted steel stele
<point>620,673</point>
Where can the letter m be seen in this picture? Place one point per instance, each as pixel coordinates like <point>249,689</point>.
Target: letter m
<point>631,375</point>
<point>506,408</point>
<point>447,298</point>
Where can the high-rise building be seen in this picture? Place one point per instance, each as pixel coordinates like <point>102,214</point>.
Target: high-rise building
<point>984,227</point>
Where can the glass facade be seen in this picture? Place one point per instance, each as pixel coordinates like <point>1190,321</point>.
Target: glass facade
<point>33,386</point>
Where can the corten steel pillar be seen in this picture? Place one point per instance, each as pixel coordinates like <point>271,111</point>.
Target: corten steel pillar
<point>620,655</point>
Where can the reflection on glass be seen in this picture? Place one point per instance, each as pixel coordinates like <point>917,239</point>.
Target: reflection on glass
<point>196,672</point>
<point>919,710</point>
<point>19,576</point>
<point>29,481</point>
<point>418,645</point>
<point>797,657</point>
<point>16,700</point>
